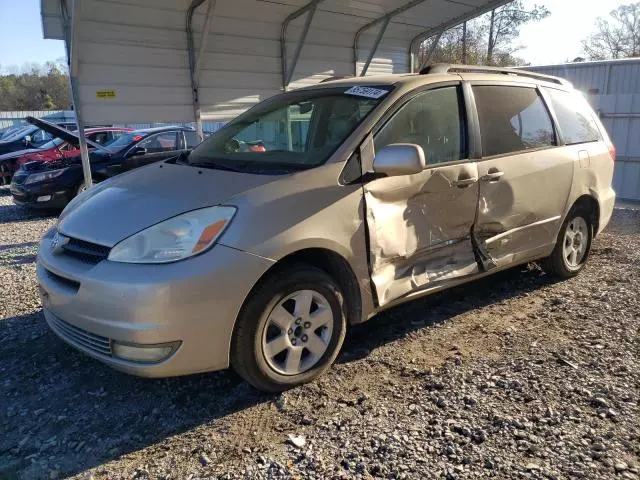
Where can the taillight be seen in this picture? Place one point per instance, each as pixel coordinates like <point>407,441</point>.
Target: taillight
<point>612,151</point>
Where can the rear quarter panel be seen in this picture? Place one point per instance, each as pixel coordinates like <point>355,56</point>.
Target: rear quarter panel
<point>593,176</point>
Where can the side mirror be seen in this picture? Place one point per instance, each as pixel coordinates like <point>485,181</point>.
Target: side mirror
<point>399,159</point>
<point>137,151</point>
<point>27,139</point>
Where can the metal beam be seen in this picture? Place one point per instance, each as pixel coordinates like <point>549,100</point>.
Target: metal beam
<point>375,46</point>
<point>203,40</point>
<point>443,27</point>
<point>385,18</point>
<point>195,63</point>
<point>288,71</point>
<point>70,24</point>
<point>464,43</point>
<point>432,49</point>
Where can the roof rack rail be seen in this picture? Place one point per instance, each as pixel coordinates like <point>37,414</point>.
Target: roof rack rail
<point>440,68</point>
<point>334,78</point>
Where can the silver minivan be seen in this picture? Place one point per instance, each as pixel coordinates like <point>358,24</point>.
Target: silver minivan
<point>319,208</point>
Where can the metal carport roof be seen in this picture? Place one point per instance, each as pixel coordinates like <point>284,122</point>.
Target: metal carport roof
<point>135,61</point>
<point>131,57</point>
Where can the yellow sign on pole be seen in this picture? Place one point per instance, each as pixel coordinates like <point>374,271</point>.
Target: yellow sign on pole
<point>106,94</point>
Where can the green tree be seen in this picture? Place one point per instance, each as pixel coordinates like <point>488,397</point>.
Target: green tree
<point>615,37</point>
<point>35,87</point>
<point>503,26</point>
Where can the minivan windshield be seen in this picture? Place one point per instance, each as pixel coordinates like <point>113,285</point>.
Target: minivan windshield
<point>293,131</point>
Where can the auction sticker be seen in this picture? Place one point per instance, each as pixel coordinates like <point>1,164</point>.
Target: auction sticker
<point>368,92</point>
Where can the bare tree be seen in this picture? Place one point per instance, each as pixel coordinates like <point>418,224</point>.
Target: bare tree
<point>616,37</point>
<point>504,26</point>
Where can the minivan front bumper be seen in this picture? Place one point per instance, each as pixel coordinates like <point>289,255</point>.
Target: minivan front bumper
<point>190,306</point>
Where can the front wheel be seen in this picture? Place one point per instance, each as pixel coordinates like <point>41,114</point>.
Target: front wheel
<point>81,188</point>
<point>573,245</point>
<point>290,330</point>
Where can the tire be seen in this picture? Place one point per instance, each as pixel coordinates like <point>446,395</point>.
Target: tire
<point>6,180</point>
<point>81,188</point>
<point>307,338</point>
<point>568,259</point>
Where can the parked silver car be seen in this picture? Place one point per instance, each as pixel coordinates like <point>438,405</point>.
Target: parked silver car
<point>319,208</point>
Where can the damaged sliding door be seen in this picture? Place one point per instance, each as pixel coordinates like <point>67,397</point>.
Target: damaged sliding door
<point>420,225</point>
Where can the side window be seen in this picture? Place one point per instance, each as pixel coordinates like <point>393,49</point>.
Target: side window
<point>512,119</point>
<point>161,142</point>
<point>434,120</point>
<point>191,138</point>
<point>40,136</point>
<point>575,117</point>
<point>99,137</point>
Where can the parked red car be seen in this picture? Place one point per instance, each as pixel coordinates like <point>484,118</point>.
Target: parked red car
<point>57,149</point>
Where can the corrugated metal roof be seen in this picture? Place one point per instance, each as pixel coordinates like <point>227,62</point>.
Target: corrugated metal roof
<point>137,49</point>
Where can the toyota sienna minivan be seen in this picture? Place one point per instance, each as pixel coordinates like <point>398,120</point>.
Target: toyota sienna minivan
<point>368,192</point>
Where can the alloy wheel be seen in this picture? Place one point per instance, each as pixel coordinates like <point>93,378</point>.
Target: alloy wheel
<point>297,332</point>
<point>576,238</point>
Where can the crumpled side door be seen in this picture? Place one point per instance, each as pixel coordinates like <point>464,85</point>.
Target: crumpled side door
<point>420,230</point>
<point>420,226</point>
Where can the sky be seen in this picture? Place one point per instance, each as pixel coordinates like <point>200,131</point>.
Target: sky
<point>553,40</point>
<point>558,37</point>
<point>21,35</point>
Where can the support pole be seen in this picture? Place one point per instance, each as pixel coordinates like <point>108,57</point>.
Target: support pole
<point>432,49</point>
<point>464,43</point>
<point>288,71</point>
<point>375,46</point>
<point>386,18</point>
<point>195,63</point>
<point>443,27</point>
<point>72,43</point>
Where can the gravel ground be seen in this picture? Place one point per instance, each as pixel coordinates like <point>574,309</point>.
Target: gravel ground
<point>514,376</point>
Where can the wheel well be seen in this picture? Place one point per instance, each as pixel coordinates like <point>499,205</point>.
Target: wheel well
<point>591,205</point>
<point>334,265</point>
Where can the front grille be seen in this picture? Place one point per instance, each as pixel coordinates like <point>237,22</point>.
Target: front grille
<point>90,341</point>
<point>86,251</point>
<point>72,284</point>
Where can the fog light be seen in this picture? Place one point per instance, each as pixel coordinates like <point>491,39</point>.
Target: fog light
<point>44,198</point>
<point>143,353</point>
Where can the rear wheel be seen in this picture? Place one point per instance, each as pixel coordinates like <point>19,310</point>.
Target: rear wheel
<point>573,245</point>
<point>290,330</point>
<point>4,172</point>
<point>81,188</point>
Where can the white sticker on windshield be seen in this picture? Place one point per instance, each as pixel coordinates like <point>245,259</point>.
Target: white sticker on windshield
<point>367,92</point>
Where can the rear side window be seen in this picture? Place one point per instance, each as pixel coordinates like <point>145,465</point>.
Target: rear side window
<point>575,117</point>
<point>191,138</point>
<point>433,120</point>
<point>100,137</point>
<point>161,142</point>
<point>512,119</point>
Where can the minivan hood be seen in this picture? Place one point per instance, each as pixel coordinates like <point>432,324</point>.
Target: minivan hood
<point>126,204</point>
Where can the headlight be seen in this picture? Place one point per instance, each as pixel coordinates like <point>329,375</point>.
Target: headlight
<point>42,176</point>
<point>174,239</point>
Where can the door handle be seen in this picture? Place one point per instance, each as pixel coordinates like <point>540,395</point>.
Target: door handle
<point>492,177</point>
<point>465,182</point>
